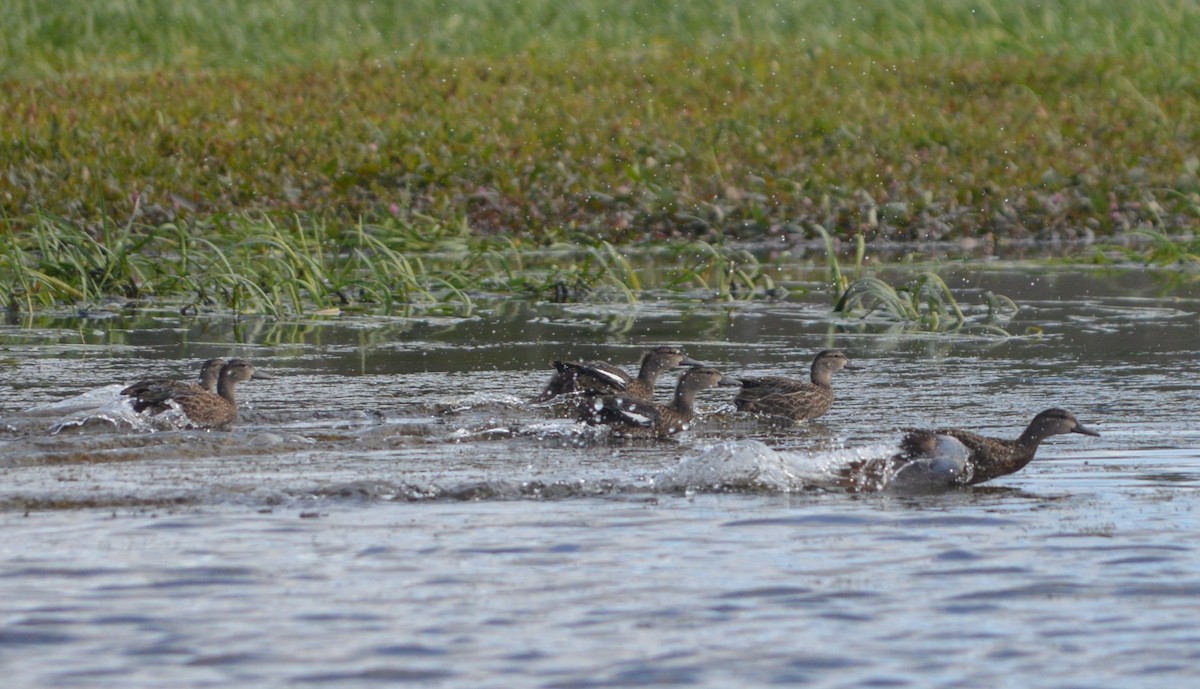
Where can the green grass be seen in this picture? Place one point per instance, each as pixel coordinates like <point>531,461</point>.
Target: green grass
<point>113,36</point>
<point>924,303</point>
<point>249,265</point>
<point>336,145</point>
<point>246,266</point>
<point>1164,251</point>
<point>748,143</point>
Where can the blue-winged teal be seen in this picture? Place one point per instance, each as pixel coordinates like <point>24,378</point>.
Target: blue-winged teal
<point>794,399</point>
<point>968,458</point>
<point>141,391</point>
<point>635,417</point>
<point>992,457</point>
<point>203,408</point>
<point>602,378</point>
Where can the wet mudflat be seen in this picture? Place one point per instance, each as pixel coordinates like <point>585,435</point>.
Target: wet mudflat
<point>388,510</point>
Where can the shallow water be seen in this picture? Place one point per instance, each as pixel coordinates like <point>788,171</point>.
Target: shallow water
<point>389,511</point>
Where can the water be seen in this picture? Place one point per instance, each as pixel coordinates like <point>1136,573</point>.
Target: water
<point>389,512</point>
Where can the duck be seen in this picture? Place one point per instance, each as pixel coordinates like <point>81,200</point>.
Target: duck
<point>140,391</point>
<point>635,417</point>
<point>202,407</point>
<point>989,458</point>
<point>602,378</point>
<point>794,399</point>
<point>955,457</point>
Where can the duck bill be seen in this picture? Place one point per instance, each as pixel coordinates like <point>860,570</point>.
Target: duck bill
<point>689,361</point>
<point>259,375</point>
<point>1080,428</point>
<point>730,382</point>
<point>853,367</point>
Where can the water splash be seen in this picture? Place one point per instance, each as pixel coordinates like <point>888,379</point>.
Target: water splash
<point>89,400</point>
<point>750,465</point>
<point>732,465</point>
<point>120,415</point>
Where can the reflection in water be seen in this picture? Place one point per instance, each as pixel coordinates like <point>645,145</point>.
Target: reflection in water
<point>389,509</point>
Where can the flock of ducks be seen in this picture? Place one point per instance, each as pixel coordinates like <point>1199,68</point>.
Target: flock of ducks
<point>608,395</point>
<point>614,398</point>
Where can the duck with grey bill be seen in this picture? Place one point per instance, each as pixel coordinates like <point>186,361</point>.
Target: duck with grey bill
<point>202,407</point>
<point>145,395</point>
<point>602,378</point>
<point>633,417</point>
<point>979,458</point>
<point>794,399</point>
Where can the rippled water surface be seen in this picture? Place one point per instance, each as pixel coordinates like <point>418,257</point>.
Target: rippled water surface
<point>388,509</point>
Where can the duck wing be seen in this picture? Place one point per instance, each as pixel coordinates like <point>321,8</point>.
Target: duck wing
<point>783,397</point>
<point>766,385</point>
<point>975,443</point>
<point>598,376</point>
<point>620,410</point>
<point>589,378</point>
<point>154,393</point>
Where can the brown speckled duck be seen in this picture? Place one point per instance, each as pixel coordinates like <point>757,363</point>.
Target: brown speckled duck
<point>955,457</point>
<point>141,393</point>
<point>602,378</point>
<point>203,408</point>
<point>634,417</point>
<point>791,398</point>
<point>992,457</point>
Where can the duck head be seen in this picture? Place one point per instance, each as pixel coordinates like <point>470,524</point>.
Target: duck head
<point>1056,421</point>
<point>239,370</point>
<point>663,358</point>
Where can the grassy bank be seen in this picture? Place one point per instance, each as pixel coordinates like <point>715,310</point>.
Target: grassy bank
<point>541,123</point>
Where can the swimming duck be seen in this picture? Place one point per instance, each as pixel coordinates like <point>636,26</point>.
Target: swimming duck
<point>635,417</point>
<point>992,457</point>
<point>964,458</point>
<point>203,408</point>
<point>794,399</point>
<point>210,371</point>
<point>602,378</point>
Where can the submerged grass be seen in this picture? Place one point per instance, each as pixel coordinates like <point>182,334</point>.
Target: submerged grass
<point>1168,251</point>
<point>723,272</point>
<point>577,277</point>
<point>925,302</point>
<point>255,265</point>
<point>250,267</point>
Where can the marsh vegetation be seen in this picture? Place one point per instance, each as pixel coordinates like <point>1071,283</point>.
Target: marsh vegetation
<point>286,157</point>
